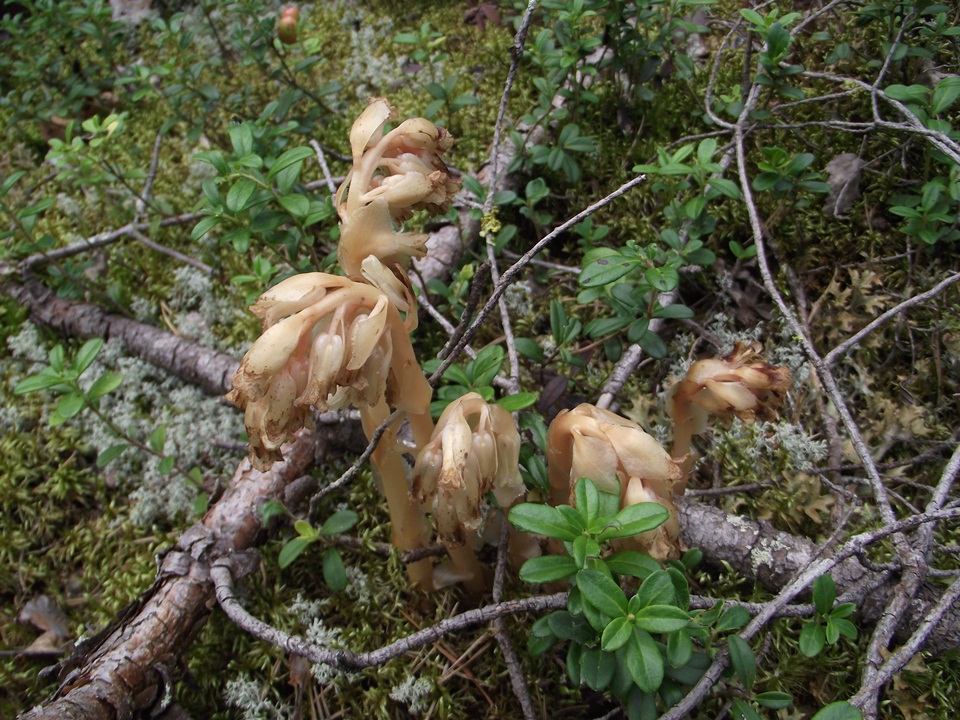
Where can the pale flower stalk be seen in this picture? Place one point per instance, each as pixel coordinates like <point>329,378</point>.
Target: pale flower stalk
<point>618,456</point>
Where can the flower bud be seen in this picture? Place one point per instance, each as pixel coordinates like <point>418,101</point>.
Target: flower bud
<point>287,29</point>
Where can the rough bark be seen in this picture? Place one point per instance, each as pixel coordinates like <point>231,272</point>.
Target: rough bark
<point>208,369</point>
<point>760,552</point>
<point>127,669</point>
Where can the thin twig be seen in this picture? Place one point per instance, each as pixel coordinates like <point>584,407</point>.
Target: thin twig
<point>322,159</point>
<point>170,252</point>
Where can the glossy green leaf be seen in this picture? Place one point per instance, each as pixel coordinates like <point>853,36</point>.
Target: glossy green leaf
<point>733,619</point>
<point>542,520</point>
<point>602,592</point>
<point>812,639</point>
<point>644,661</point>
<point>657,589</point>
<point>239,194</point>
<point>740,710</point>
<point>632,563</point>
<point>679,648</point>
<point>635,519</point>
<point>520,401</point>
<point>548,568</point>
<point>165,466</point>
<point>596,668</point>
<point>661,618</point>
<point>824,594</point>
<point>605,271</point>
<point>69,405</point>
<point>296,205</point>
<point>742,660</point>
<point>616,634</point>
<point>157,439</point>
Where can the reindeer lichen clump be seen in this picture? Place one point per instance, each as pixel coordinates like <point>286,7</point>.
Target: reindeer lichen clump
<point>332,341</point>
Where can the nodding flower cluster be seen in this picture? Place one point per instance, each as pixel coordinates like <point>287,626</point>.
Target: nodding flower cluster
<point>332,341</point>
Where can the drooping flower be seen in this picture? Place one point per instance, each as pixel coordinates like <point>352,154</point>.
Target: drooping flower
<point>475,449</point>
<point>737,384</point>
<point>618,456</point>
<point>328,342</point>
<point>393,175</point>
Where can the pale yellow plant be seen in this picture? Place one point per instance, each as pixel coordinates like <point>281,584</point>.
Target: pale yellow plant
<point>619,457</point>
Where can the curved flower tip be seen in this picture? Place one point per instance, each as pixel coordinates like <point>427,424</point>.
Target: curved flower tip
<point>475,449</point>
<point>368,128</point>
<point>370,231</point>
<point>344,345</point>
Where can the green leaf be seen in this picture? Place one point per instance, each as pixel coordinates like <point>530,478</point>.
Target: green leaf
<point>663,279</point>
<point>106,383</point>
<point>653,345</point>
<point>605,271</point>
<point>567,626</point>
<point>241,138</point>
<point>334,573</point>
<point>812,639</point>
<point>774,700</point>
<point>87,354</point>
<point>644,662</point>
<point>824,594</point>
<point>680,586</point>
<point>596,668</point>
<point>271,509</point>
<point>632,563</point>
<point>56,358</point>
<point>635,519</point>
<point>908,93</point>
<point>778,40</point>
<point>548,568</point>
<point>529,349</point>
<point>288,158</point>
<point>845,627</point>
<point>743,661</point>
<point>165,466</point>
<point>239,194</point>
<point>740,710</point>
<point>69,405</point>
<point>945,94</point>
<point>587,499</point>
<point>661,618</point>
<point>292,549</point>
<point>616,634</point>
<point>674,312</point>
<point>657,589</point>
<point>486,365</point>
<point>733,619</point>
<point>10,181</point>
<point>296,205</point>
<point>305,529</point>
<point>839,711</point>
<point>602,592</point>
<point>157,439</point>
<point>110,454</point>
<point>679,648</point>
<point>339,522</point>
<point>41,381</point>
<point>542,520</point>
<point>520,401</point>
<point>203,227</point>
<point>843,610</point>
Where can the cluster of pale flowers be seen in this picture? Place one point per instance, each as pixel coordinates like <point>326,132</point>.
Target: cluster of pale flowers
<point>332,341</point>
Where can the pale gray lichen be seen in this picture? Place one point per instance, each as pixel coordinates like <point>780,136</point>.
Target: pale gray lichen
<point>413,693</point>
<point>247,696</point>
